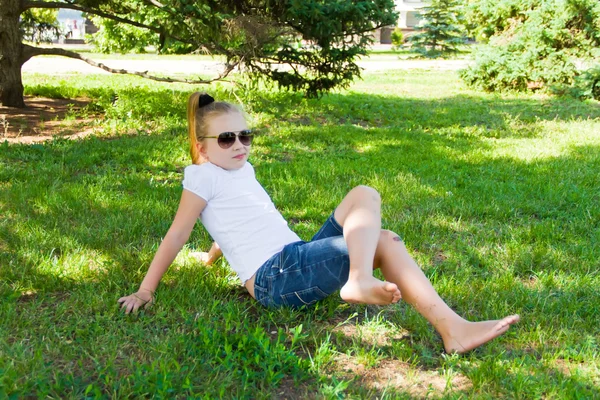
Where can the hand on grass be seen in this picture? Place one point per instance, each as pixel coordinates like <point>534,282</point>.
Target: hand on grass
<point>208,258</point>
<point>203,257</point>
<point>131,303</point>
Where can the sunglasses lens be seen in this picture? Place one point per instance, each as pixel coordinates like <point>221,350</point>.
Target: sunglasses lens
<point>246,137</point>
<point>226,139</point>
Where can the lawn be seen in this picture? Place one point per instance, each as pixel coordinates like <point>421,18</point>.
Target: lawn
<point>495,196</point>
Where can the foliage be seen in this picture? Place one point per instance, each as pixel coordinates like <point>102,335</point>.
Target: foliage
<point>495,197</point>
<point>589,82</point>
<point>317,41</point>
<point>113,37</point>
<point>538,47</point>
<point>397,38</point>
<point>585,86</point>
<point>486,18</point>
<point>308,46</point>
<point>39,25</point>
<point>440,31</point>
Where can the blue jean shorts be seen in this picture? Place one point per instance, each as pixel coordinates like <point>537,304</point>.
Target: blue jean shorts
<point>305,272</point>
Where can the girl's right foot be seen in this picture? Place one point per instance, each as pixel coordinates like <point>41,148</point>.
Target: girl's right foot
<point>473,334</point>
<point>370,290</point>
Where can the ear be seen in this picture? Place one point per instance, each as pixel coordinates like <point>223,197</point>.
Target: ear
<point>201,150</point>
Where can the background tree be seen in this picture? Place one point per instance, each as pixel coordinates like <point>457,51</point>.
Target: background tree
<point>440,30</point>
<point>534,44</point>
<point>317,41</point>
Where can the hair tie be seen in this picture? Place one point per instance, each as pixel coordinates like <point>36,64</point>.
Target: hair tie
<point>204,100</point>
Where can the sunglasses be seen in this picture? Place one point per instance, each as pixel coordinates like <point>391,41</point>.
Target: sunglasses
<point>227,139</point>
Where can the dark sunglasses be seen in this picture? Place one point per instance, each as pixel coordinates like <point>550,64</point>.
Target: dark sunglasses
<point>227,139</point>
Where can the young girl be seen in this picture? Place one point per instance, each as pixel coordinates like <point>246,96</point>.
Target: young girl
<point>275,265</point>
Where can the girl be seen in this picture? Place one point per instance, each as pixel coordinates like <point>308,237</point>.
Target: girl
<point>276,267</point>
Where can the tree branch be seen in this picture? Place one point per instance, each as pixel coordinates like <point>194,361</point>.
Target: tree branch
<point>30,51</point>
<point>155,3</point>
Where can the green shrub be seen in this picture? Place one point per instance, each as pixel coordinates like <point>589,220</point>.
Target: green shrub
<point>500,68</point>
<point>585,86</point>
<point>590,80</point>
<point>397,38</point>
<point>539,47</point>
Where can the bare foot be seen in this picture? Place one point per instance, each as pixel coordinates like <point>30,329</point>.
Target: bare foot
<point>370,291</point>
<point>474,334</point>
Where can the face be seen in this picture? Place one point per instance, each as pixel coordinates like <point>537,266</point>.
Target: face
<point>233,157</point>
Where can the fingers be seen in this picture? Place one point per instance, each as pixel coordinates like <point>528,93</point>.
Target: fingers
<point>202,257</point>
<point>130,304</point>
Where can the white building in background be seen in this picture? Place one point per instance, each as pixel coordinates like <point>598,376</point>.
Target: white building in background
<point>409,12</point>
<point>408,20</point>
<point>72,23</point>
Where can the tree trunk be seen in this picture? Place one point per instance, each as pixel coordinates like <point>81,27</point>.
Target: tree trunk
<point>11,60</point>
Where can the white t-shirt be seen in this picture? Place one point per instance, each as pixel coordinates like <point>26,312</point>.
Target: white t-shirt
<point>239,215</point>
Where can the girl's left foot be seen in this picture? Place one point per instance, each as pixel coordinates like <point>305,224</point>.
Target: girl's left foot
<point>370,290</point>
<point>473,334</point>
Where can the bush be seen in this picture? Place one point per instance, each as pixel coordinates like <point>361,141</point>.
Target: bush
<point>540,48</point>
<point>397,38</point>
<point>585,86</point>
<point>590,82</point>
<point>499,68</point>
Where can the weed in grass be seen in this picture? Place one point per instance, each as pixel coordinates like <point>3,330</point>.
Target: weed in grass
<point>5,125</point>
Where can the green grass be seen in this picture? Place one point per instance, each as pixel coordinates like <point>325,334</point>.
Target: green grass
<point>495,196</point>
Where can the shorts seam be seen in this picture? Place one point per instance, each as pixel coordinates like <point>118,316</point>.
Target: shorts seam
<point>286,271</point>
<point>336,224</point>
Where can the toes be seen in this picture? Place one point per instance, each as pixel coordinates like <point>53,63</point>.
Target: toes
<point>391,287</point>
<point>509,321</point>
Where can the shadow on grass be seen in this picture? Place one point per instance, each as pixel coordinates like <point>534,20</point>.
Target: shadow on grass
<point>483,116</point>
<point>85,216</point>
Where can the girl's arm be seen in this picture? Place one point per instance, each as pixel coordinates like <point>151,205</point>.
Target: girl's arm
<point>189,209</point>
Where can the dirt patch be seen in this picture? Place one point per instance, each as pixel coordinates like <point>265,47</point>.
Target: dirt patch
<point>373,336</point>
<point>288,390</point>
<point>401,376</point>
<point>44,119</point>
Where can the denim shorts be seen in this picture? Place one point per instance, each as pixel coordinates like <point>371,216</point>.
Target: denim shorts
<point>305,272</point>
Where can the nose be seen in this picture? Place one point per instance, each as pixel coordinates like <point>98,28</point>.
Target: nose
<point>238,143</point>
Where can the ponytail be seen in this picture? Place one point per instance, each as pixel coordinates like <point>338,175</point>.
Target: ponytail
<point>192,110</point>
<point>200,108</point>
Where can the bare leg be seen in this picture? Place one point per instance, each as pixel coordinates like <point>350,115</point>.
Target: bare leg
<point>458,334</point>
<point>360,216</point>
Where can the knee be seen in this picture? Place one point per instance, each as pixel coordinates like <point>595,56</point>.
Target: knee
<point>386,247</point>
<point>388,236</point>
<point>363,192</point>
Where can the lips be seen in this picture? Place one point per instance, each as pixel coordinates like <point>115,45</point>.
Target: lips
<point>240,156</point>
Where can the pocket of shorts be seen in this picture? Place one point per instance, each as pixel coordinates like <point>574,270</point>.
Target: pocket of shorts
<point>262,295</point>
<point>304,297</point>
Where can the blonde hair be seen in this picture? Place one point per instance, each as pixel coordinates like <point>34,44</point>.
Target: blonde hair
<point>198,119</point>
